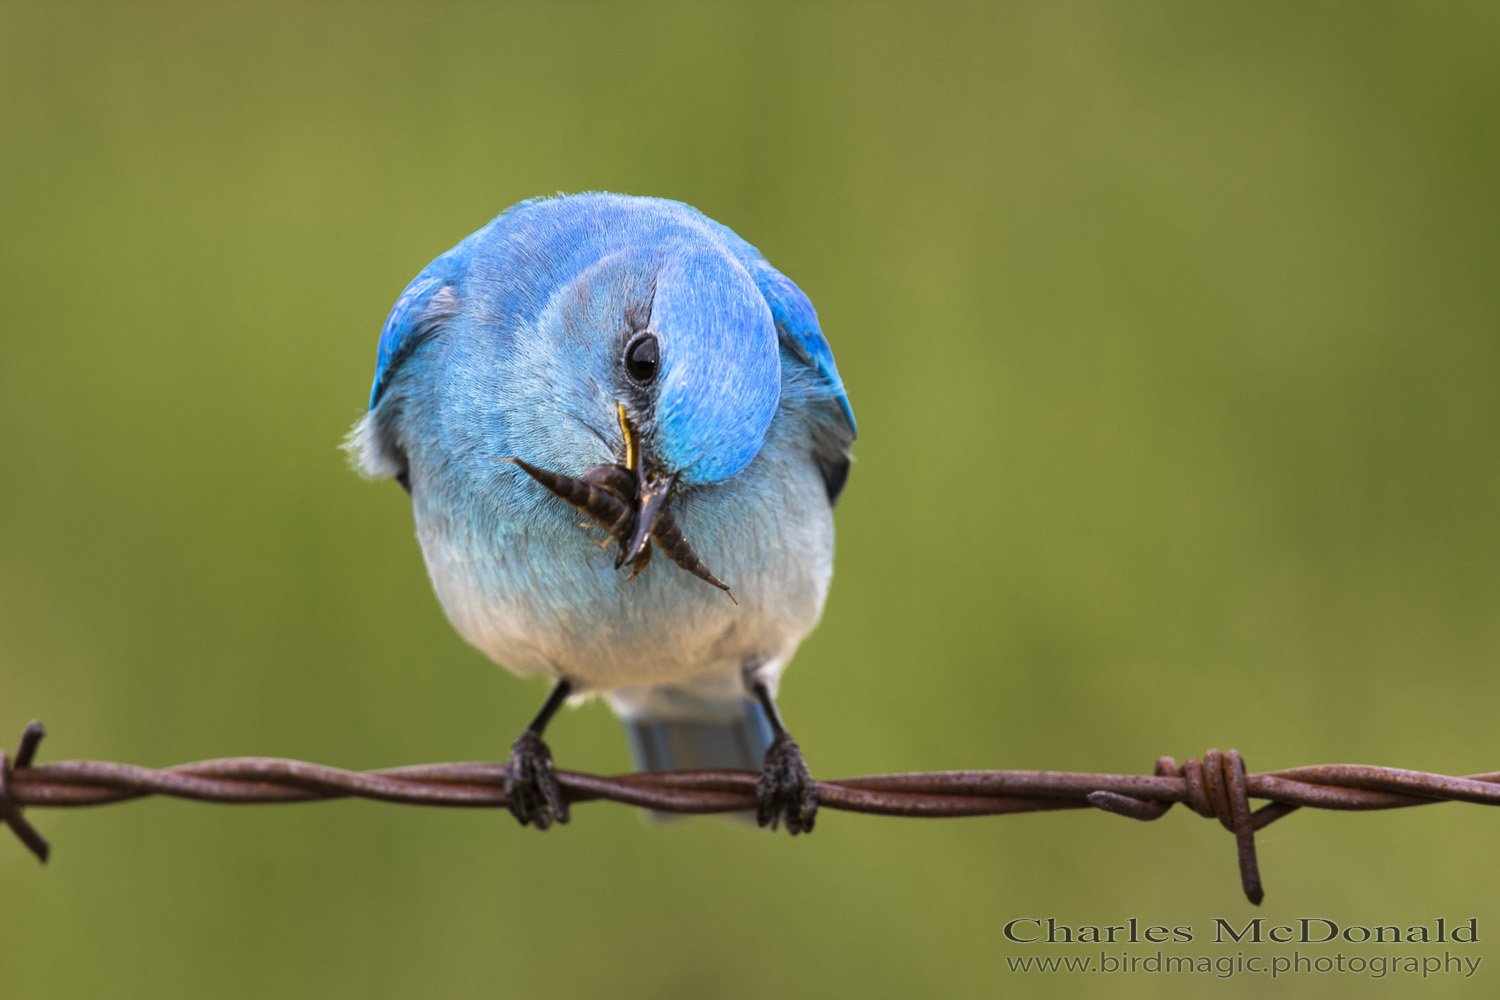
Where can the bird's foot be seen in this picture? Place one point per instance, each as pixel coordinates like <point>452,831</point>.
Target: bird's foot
<point>786,789</point>
<point>531,790</point>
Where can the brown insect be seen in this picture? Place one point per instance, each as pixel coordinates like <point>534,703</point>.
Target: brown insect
<point>615,498</point>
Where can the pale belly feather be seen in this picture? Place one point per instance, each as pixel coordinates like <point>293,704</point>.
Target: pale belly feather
<point>544,599</point>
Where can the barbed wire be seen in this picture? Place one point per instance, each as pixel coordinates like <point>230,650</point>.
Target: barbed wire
<point>1217,787</point>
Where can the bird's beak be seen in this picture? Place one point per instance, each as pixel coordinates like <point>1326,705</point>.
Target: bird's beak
<point>653,490</point>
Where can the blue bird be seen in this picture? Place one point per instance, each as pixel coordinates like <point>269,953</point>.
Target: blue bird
<point>633,363</point>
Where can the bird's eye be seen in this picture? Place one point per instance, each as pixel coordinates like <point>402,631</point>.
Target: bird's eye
<point>641,357</point>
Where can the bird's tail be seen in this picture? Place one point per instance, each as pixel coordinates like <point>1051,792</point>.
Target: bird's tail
<point>700,733</point>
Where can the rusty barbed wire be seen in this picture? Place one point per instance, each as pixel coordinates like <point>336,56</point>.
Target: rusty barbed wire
<point>1217,787</point>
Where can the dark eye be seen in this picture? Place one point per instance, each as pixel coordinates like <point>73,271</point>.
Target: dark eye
<point>641,357</point>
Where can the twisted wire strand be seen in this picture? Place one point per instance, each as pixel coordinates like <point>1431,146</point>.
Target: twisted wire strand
<point>1217,787</point>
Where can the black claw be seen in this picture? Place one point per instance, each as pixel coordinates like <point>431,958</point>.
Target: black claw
<point>786,789</point>
<point>531,790</point>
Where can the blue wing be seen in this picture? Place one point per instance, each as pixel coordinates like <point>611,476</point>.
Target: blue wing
<point>797,327</point>
<point>427,303</point>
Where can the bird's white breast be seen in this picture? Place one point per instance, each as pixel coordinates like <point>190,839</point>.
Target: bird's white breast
<point>540,597</point>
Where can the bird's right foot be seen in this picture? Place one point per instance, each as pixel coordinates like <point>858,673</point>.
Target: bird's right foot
<point>531,790</point>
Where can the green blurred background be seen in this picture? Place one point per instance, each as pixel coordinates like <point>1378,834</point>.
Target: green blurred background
<point>1200,304</point>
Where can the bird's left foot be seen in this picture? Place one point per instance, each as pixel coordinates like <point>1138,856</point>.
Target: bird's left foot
<point>531,790</point>
<point>786,789</point>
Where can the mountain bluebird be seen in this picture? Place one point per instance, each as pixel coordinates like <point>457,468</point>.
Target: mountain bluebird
<point>600,371</point>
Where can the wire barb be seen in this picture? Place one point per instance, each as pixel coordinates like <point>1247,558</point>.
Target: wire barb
<point>1217,787</point>
<point>10,805</point>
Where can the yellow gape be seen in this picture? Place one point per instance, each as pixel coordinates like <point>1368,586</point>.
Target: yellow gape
<point>632,454</point>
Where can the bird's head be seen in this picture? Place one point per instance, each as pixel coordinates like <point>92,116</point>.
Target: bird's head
<point>687,347</point>
<point>668,353</point>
